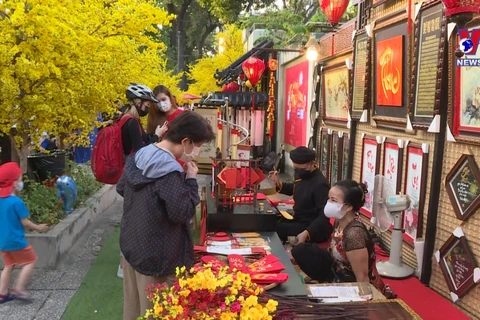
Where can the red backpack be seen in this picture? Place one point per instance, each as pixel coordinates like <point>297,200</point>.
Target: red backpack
<point>107,157</point>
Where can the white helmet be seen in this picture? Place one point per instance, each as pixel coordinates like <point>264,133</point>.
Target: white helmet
<point>140,91</point>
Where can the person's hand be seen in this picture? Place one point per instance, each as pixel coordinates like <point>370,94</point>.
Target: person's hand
<point>42,227</point>
<point>302,237</point>
<point>192,170</point>
<point>274,176</point>
<point>160,131</point>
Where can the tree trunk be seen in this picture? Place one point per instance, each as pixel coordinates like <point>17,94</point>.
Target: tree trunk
<point>181,67</point>
<point>21,153</point>
<point>210,28</point>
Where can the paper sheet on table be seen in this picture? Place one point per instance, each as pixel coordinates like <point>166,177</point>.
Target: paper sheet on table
<point>336,294</point>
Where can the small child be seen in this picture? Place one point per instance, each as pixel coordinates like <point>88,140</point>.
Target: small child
<point>14,247</point>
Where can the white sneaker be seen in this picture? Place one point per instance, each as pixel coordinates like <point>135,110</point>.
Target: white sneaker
<point>120,271</point>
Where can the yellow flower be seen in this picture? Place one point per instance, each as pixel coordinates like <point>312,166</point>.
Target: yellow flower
<point>251,301</point>
<point>271,305</point>
<point>158,309</point>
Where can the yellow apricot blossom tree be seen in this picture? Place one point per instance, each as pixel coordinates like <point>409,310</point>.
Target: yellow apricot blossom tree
<point>62,62</point>
<point>203,71</point>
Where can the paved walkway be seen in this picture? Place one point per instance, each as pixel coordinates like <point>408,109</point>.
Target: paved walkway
<point>53,289</point>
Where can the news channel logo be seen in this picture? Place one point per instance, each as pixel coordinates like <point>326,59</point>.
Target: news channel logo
<point>467,47</point>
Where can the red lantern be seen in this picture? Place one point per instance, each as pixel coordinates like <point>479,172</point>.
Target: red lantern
<point>333,9</point>
<point>455,7</point>
<point>253,69</point>
<point>231,87</point>
<point>273,64</point>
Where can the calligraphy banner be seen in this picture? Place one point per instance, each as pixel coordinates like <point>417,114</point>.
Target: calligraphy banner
<point>370,168</point>
<point>361,75</point>
<point>393,164</point>
<point>428,71</point>
<point>296,95</point>
<point>415,185</point>
<point>325,153</point>
<point>208,150</point>
<point>390,71</point>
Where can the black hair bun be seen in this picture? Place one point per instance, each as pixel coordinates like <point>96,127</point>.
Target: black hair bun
<point>363,187</point>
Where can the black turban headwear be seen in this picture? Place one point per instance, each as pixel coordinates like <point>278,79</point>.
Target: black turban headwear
<point>302,155</point>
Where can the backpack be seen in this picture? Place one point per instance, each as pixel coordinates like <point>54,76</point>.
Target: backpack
<point>107,157</point>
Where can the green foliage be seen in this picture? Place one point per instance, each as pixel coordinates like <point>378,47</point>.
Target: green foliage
<point>42,201</point>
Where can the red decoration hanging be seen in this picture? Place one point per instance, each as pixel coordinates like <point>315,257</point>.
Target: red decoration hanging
<point>455,7</point>
<point>231,87</point>
<point>253,69</point>
<point>272,64</point>
<point>334,9</point>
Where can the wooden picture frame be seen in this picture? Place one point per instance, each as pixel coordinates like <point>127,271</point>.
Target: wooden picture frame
<point>360,75</point>
<point>463,187</point>
<point>390,100</point>
<point>458,264</point>
<point>371,148</point>
<point>416,173</point>
<point>345,156</point>
<point>335,93</point>
<point>325,152</point>
<point>393,163</point>
<point>336,166</point>
<point>430,31</point>
<point>376,3</point>
<point>317,80</point>
<point>466,98</point>
<point>208,150</point>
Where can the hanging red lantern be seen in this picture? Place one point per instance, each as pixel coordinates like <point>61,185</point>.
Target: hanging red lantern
<point>455,7</point>
<point>231,87</point>
<point>334,9</point>
<point>253,69</point>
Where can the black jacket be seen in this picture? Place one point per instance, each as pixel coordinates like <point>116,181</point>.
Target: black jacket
<point>134,137</point>
<point>310,195</point>
<point>155,235</point>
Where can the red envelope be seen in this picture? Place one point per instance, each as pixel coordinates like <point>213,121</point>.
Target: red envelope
<point>267,278</point>
<point>261,175</point>
<point>214,262</point>
<point>236,261</point>
<point>275,267</point>
<point>264,261</point>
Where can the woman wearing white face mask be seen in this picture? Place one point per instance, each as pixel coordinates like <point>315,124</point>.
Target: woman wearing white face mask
<point>165,110</point>
<point>160,199</point>
<point>351,255</point>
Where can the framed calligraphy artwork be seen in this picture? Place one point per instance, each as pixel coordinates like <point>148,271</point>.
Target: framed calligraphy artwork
<point>325,153</point>
<point>370,168</point>
<point>393,163</point>
<point>458,265</point>
<point>415,188</point>
<point>390,70</point>
<point>360,91</point>
<point>462,185</point>
<point>208,150</point>
<point>337,158</point>
<point>466,115</point>
<point>335,93</point>
<point>428,70</point>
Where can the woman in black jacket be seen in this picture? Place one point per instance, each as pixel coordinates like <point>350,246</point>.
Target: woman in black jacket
<point>160,199</point>
<point>134,137</point>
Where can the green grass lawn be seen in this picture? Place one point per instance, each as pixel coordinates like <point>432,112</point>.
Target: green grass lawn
<point>100,295</point>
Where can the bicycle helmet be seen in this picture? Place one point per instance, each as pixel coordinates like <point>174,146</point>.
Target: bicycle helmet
<point>140,91</point>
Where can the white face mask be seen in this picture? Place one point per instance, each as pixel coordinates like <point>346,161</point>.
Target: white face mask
<point>164,106</point>
<point>187,157</point>
<point>334,210</point>
<point>19,186</point>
